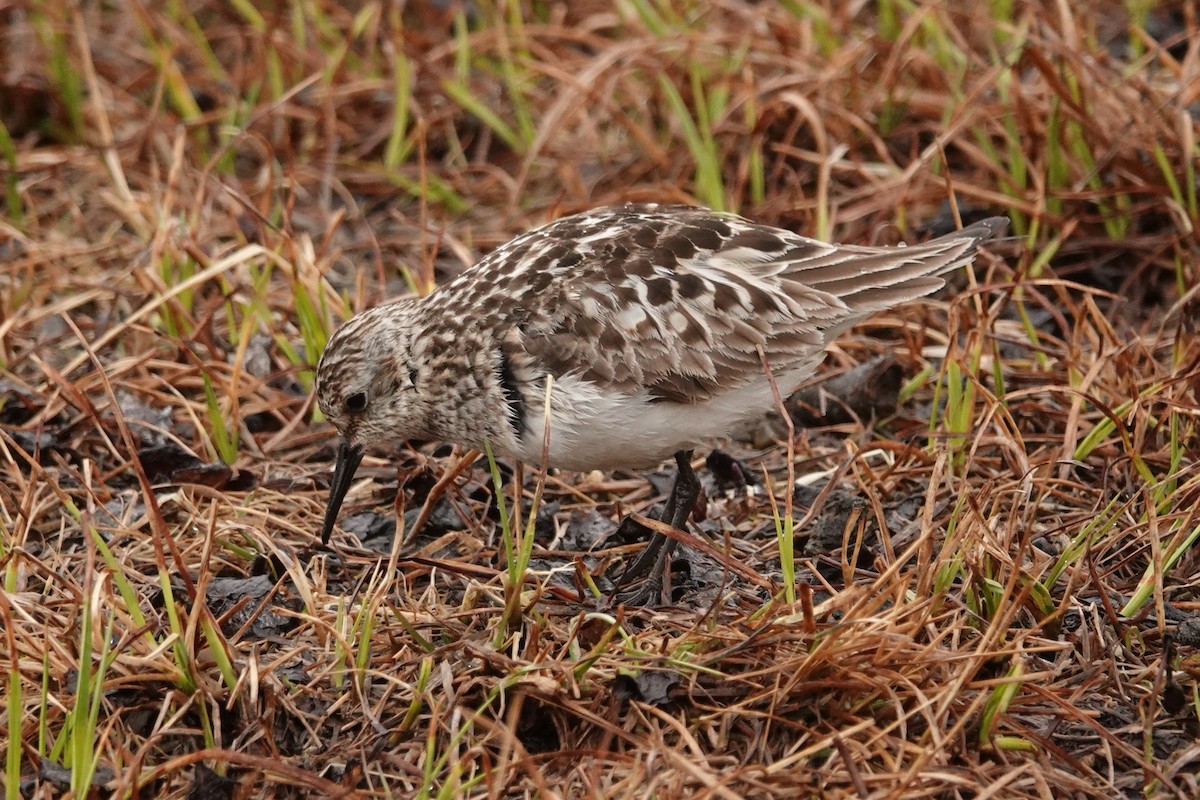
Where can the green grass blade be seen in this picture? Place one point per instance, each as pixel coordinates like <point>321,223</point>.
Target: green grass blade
<point>225,437</point>
<point>709,186</point>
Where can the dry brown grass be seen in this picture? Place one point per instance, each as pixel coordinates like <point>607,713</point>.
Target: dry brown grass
<point>195,198</point>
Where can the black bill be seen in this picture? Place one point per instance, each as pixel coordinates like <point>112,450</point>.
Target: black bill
<point>348,458</point>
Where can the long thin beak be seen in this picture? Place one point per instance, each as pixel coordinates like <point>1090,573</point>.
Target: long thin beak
<point>348,458</point>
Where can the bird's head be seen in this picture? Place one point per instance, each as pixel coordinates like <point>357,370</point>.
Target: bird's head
<point>365,387</point>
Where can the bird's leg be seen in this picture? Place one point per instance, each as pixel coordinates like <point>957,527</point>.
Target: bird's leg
<point>680,500</point>
<point>652,562</point>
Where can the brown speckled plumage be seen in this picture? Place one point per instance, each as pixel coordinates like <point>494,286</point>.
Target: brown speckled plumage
<point>648,318</point>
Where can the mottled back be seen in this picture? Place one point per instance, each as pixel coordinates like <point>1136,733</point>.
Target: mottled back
<point>675,301</point>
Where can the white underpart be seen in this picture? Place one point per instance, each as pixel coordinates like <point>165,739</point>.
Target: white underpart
<point>601,428</point>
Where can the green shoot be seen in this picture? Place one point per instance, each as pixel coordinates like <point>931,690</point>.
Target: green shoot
<point>225,437</point>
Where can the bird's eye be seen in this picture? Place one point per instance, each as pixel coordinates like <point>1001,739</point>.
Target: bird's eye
<point>356,403</point>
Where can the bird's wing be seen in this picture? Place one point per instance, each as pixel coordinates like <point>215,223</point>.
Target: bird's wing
<point>678,301</point>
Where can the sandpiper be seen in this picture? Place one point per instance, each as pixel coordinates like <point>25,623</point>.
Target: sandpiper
<point>653,323</point>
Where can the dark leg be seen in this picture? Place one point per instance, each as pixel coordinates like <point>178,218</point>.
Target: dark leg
<point>652,562</point>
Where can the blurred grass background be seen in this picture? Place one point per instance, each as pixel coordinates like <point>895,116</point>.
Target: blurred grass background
<point>197,193</point>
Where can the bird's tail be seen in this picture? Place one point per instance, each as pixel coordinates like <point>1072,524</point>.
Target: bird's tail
<point>870,279</point>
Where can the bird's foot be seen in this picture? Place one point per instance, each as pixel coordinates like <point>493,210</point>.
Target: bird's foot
<point>647,593</point>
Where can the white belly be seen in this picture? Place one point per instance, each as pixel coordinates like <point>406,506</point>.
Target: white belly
<point>596,428</point>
